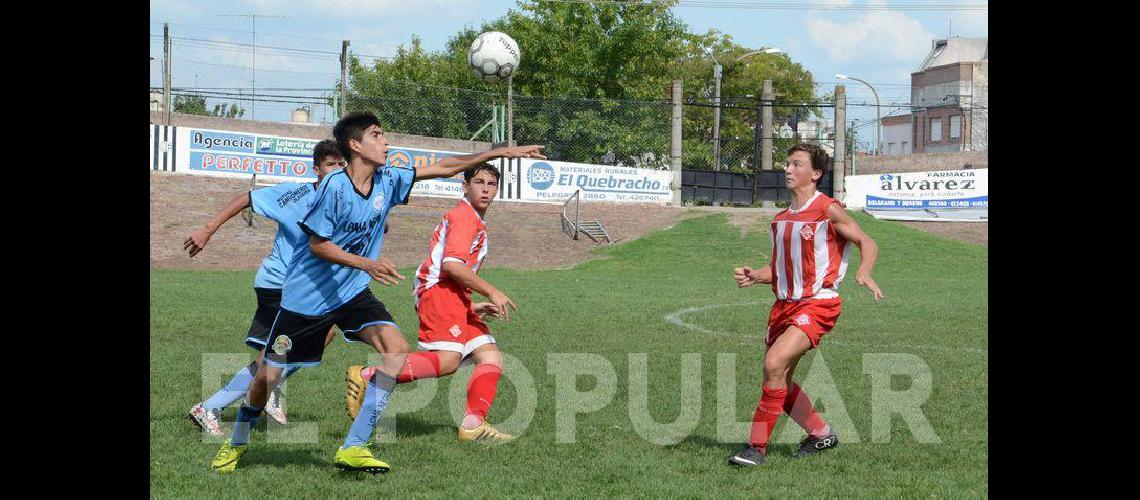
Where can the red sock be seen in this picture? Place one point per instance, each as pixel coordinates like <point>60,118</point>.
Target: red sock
<point>481,389</point>
<point>419,365</point>
<point>769,409</point>
<point>799,406</point>
<point>424,364</point>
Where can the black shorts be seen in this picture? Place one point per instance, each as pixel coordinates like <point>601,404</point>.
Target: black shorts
<point>299,340</point>
<point>268,303</point>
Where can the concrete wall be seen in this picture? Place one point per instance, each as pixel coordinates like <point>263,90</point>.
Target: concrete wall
<point>920,162</point>
<point>898,134</point>
<point>315,131</point>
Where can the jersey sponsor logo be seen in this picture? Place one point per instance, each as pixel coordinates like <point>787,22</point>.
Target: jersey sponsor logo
<point>292,196</point>
<point>802,319</point>
<point>455,331</point>
<point>282,345</point>
<point>807,232</point>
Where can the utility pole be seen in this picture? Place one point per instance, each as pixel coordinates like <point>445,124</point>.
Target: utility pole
<point>253,82</point>
<point>766,99</point>
<point>675,144</point>
<point>343,78</point>
<point>717,71</point>
<point>837,188</point>
<point>511,110</point>
<point>169,102</point>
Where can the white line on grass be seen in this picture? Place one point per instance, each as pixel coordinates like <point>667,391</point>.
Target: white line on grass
<point>675,318</point>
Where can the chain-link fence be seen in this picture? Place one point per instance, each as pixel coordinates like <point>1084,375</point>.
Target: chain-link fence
<point>211,77</point>
<point>741,132</point>
<point>218,78</point>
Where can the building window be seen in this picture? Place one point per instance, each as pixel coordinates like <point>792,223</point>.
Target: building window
<point>904,150</point>
<point>935,129</point>
<point>955,127</point>
<point>890,148</point>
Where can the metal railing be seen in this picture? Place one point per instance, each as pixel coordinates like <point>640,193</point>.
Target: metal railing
<point>570,227</point>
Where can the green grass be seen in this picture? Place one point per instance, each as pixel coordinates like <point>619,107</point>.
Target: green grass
<point>935,309</point>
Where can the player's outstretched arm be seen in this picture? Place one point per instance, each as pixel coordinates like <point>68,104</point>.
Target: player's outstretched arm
<point>381,269</point>
<point>198,239</point>
<point>868,249</point>
<point>452,165</point>
<point>466,277</point>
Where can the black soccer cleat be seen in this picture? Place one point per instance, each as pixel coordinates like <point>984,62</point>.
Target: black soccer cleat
<point>811,445</point>
<point>750,456</point>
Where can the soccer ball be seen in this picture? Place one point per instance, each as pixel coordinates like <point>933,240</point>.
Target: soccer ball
<point>493,56</point>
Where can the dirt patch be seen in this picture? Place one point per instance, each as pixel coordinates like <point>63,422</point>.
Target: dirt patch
<point>522,235</point>
<point>977,233</point>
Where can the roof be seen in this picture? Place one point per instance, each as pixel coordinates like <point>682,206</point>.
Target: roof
<point>956,50</point>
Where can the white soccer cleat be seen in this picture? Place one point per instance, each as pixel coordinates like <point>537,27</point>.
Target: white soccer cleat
<point>206,420</point>
<point>273,407</point>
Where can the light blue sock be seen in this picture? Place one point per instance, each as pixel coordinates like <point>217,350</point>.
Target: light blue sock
<point>232,391</point>
<point>246,417</point>
<point>380,387</point>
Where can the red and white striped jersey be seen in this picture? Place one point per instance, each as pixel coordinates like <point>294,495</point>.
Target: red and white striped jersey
<point>809,258</point>
<point>462,237</point>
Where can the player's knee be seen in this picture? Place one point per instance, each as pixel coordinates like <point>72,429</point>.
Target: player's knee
<point>775,368</point>
<point>449,364</point>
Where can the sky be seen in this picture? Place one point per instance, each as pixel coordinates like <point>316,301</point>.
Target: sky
<point>876,43</point>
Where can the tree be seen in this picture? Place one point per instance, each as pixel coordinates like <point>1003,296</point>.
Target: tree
<point>594,83</point>
<point>196,105</point>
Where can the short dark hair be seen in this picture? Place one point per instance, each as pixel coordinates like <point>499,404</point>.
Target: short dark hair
<point>352,126</point>
<point>820,160</point>
<point>470,174</point>
<point>325,148</point>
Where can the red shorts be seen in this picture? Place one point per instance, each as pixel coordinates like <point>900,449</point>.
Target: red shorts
<point>814,316</point>
<point>447,322</point>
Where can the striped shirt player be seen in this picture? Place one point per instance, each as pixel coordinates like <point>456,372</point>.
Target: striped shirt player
<point>811,244</point>
<point>808,263</point>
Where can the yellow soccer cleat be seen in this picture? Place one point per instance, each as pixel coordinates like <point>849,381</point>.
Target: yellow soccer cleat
<point>227,458</point>
<point>354,395</point>
<point>358,458</point>
<point>483,433</point>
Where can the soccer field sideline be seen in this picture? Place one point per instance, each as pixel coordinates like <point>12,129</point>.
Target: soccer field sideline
<point>616,309</point>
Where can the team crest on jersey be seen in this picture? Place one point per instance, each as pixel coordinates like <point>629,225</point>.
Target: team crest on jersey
<point>282,345</point>
<point>802,319</point>
<point>455,331</point>
<point>378,202</point>
<point>807,232</point>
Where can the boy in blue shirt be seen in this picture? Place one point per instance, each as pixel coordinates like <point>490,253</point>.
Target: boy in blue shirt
<point>285,204</point>
<point>327,281</point>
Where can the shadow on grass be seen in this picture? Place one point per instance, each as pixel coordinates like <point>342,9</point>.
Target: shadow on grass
<point>281,457</point>
<point>731,447</point>
<point>409,426</point>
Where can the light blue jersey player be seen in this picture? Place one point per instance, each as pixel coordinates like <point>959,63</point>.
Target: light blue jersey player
<point>327,283</point>
<point>285,204</point>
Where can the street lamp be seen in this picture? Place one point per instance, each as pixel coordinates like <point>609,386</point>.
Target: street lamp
<point>717,73</point>
<point>878,121</point>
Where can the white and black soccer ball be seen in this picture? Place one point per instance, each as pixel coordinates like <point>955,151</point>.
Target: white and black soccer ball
<point>494,56</point>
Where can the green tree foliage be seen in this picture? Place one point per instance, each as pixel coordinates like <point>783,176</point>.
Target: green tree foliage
<point>593,84</point>
<point>196,105</point>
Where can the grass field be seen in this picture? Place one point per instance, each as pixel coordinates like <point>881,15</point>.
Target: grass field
<point>935,309</point>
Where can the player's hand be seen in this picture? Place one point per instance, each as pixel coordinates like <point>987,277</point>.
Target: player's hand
<point>197,241</point>
<point>743,276</point>
<point>522,152</point>
<point>863,278</point>
<point>485,309</point>
<point>502,304</point>
<point>384,271</point>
